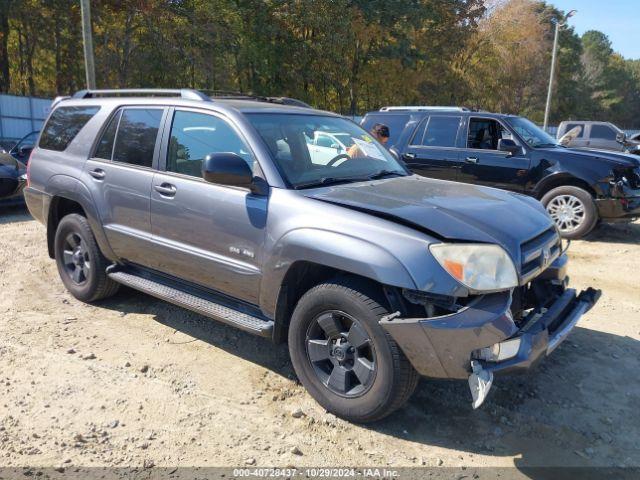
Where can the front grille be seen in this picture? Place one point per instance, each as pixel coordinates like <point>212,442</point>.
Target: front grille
<point>538,253</point>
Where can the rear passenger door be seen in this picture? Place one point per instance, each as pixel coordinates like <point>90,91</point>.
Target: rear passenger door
<point>432,151</point>
<point>119,175</point>
<point>205,233</point>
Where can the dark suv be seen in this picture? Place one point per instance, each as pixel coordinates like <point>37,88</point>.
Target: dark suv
<point>373,275</point>
<point>577,187</point>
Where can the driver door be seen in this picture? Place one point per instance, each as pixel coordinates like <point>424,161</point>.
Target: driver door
<point>483,164</point>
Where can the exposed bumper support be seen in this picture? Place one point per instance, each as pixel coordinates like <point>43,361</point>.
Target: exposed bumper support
<point>443,347</point>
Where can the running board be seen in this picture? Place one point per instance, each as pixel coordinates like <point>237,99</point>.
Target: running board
<point>199,302</point>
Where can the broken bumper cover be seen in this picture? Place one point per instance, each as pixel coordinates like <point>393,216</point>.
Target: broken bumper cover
<point>443,347</point>
<point>619,209</point>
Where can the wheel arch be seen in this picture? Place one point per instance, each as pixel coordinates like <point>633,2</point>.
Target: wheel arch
<point>306,257</point>
<point>68,195</point>
<point>561,180</point>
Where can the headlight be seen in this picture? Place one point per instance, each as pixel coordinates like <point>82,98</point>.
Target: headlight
<point>477,266</point>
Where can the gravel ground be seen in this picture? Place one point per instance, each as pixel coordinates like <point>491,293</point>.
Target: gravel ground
<point>133,381</point>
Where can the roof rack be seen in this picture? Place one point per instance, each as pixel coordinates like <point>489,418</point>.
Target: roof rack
<point>185,93</point>
<point>415,108</point>
<point>233,95</point>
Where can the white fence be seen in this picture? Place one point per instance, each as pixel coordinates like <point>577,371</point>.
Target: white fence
<point>21,115</point>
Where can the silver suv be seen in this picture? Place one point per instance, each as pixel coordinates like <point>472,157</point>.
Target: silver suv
<point>373,275</point>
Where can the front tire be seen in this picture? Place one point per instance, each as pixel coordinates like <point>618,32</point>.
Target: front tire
<point>347,362</point>
<point>81,265</point>
<point>572,209</point>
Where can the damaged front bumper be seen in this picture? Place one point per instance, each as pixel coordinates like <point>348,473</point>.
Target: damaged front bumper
<point>455,345</point>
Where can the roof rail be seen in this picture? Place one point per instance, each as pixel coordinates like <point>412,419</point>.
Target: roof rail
<point>185,93</point>
<point>233,95</point>
<point>415,108</point>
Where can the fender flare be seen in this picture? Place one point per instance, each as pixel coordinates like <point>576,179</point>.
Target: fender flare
<point>558,179</point>
<point>70,188</point>
<point>331,249</point>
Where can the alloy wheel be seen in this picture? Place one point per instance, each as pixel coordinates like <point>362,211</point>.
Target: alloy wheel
<point>341,353</point>
<point>75,258</point>
<point>568,212</point>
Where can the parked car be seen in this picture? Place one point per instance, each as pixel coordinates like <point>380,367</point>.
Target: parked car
<point>12,180</point>
<point>325,146</point>
<point>578,187</point>
<point>23,148</point>
<point>596,135</point>
<point>373,275</point>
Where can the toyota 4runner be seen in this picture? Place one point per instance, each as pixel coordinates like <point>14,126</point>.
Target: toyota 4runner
<point>373,275</point>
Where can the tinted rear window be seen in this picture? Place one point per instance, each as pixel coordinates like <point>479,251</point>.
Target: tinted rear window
<point>136,137</point>
<point>571,126</point>
<point>440,132</point>
<point>395,122</point>
<point>63,126</point>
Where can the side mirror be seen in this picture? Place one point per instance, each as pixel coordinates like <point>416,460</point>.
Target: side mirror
<point>25,150</point>
<point>621,137</point>
<point>229,169</point>
<point>509,146</point>
<point>335,146</point>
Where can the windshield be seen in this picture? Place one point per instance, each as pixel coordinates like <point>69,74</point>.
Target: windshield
<point>531,133</point>
<point>302,148</point>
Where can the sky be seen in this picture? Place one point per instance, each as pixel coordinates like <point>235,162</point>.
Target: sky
<point>618,19</point>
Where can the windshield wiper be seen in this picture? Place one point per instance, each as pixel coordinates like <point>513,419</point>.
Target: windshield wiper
<point>386,173</point>
<point>323,182</point>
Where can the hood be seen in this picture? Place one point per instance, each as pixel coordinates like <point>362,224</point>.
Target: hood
<point>448,210</point>
<point>613,159</point>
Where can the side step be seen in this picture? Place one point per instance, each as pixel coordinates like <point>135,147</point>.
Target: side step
<point>196,301</point>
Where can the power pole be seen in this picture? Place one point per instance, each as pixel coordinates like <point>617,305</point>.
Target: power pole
<point>560,22</point>
<point>87,38</point>
<point>553,73</point>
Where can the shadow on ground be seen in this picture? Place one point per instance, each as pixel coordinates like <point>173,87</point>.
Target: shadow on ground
<point>569,411</point>
<point>14,213</point>
<point>616,233</point>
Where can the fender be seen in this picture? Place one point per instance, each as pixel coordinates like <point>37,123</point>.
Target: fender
<point>564,178</point>
<point>73,189</point>
<point>331,249</point>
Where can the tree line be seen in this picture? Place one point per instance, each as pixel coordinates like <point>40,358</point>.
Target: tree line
<point>348,56</point>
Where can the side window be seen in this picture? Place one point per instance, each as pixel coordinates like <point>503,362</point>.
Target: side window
<point>571,126</point>
<point>485,133</point>
<point>441,132</point>
<point>63,126</point>
<point>603,132</point>
<point>105,146</point>
<point>136,137</point>
<point>194,136</point>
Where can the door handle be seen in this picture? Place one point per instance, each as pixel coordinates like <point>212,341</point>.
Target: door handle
<point>471,160</point>
<point>166,189</point>
<point>98,174</point>
<point>410,156</point>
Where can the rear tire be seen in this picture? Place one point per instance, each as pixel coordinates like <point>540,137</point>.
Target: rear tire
<point>81,265</point>
<point>335,334</point>
<point>572,209</point>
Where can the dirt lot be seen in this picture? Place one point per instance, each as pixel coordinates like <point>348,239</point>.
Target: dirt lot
<point>133,380</point>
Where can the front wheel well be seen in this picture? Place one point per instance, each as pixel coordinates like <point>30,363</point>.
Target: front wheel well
<point>562,182</point>
<point>301,277</point>
<point>60,207</point>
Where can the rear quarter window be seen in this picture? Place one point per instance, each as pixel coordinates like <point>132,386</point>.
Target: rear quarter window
<point>63,126</point>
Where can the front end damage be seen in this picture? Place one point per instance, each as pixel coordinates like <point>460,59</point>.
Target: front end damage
<point>623,200</point>
<point>494,333</point>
